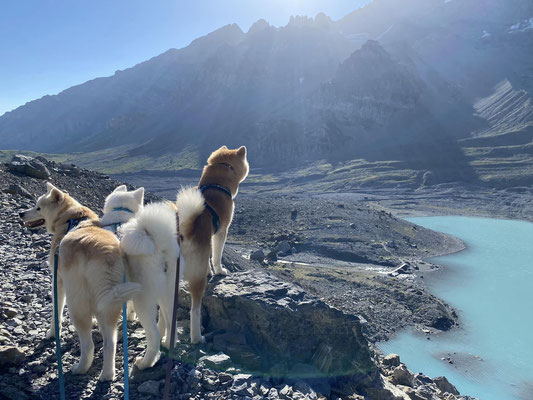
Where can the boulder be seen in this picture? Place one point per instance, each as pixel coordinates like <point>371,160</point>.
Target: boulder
<point>423,392</point>
<point>272,256</point>
<point>282,324</point>
<point>445,386</point>
<point>10,312</point>
<point>18,191</point>
<point>423,379</point>
<point>442,323</point>
<point>11,356</point>
<point>283,247</point>
<point>391,360</point>
<point>402,376</point>
<point>149,387</point>
<point>28,166</point>
<point>257,256</point>
<point>218,361</point>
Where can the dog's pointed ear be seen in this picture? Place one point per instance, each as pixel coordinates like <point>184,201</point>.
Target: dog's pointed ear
<point>223,147</point>
<point>242,151</point>
<point>57,195</point>
<point>121,188</point>
<point>49,187</point>
<point>139,195</point>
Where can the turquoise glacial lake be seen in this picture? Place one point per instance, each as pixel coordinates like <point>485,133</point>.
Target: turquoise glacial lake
<point>490,283</point>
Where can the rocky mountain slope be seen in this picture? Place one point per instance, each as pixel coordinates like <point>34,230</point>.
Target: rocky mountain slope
<point>442,85</point>
<point>266,337</point>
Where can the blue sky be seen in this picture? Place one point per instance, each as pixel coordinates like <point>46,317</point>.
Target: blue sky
<point>49,45</point>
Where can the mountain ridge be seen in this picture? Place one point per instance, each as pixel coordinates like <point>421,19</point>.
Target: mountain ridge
<point>290,94</point>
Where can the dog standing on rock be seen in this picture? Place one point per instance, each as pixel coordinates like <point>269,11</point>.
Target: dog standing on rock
<point>204,233</point>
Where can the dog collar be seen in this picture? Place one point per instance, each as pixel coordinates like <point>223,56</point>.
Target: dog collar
<point>123,209</point>
<point>225,164</point>
<point>215,186</point>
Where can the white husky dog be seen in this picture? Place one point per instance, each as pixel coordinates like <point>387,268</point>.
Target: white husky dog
<point>120,206</point>
<point>150,243</point>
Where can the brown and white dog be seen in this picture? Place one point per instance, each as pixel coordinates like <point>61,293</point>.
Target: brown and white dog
<point>90,272</point>
<point>206,232</point>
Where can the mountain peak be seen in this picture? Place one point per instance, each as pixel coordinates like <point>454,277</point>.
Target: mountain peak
<point>258,26</point>
<point>300,20</point>
<point>228,34</point>
<point>322,20</point>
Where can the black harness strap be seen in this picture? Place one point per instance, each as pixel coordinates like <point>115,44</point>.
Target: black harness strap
<point>216,219</point>
<point>215,186</point>
<point>223,189</point>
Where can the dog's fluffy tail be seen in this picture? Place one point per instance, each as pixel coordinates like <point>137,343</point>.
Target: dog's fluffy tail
<point>153,227</point>
<point>191,204</point>
<point>117,294</point>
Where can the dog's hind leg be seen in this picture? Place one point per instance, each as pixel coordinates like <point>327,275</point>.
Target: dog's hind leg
<point>161,324</point>
<point>83,324</point>
<point>130,312</point>
<point>165,315</point>
<point>219,239</point>
<point>51,333</point>
<point>107,322</point>
<point>146,312</point>
<point>197,289</point>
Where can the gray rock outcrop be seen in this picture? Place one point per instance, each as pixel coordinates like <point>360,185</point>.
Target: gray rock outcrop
<point>273,326</point>
<point>28,166</point>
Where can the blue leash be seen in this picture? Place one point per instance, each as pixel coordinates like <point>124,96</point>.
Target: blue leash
<point>58,339</point>
<point>125,346</point>
<point>71,224</point>
<point>115,227</point>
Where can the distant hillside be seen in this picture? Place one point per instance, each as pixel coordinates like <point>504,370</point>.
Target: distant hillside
<point>440,86</point>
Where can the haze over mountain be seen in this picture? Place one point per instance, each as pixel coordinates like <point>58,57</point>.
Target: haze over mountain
<point>441,85</point>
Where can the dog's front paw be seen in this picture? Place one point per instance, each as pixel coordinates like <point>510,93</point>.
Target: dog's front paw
<point>148,361</point>
<point>199,340</point>
<point>165,342</point>
<point>131,316</point>
<point>106,376</point>
<point>78,369</point>
<point>220,270</point>
<point>50,334</point>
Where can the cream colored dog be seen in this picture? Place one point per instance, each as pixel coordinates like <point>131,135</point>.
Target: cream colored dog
<point>90,272</point>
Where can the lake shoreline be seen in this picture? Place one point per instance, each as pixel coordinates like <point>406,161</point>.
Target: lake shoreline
<point>488,360</point>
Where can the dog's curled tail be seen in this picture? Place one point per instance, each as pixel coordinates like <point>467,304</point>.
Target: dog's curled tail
<point>117,294</point>
<point>153,227</point>
<point>191,204</point>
